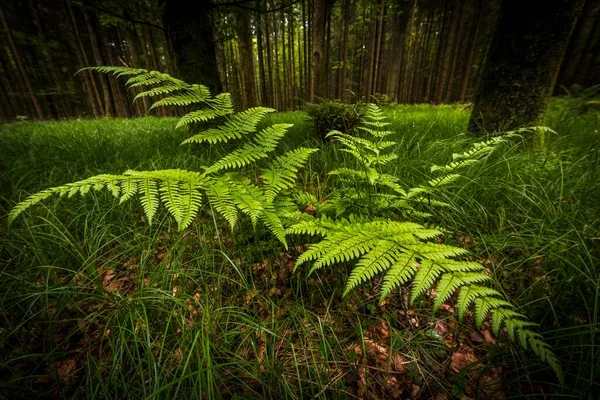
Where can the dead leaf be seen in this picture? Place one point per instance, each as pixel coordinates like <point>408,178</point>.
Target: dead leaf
<point>487,334</point>
<point>398,363</point>
<point>310,209</point>
<point>476,337</point>
<point>441,328</point>
<point>462,359</point>
<point>66,369</point>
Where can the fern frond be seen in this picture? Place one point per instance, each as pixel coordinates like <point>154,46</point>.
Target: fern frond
<point>485,304</point>
<point>451,281</point>
<point>218,191</point>
<point>178,189</point>
<point>402,271</point>
<point>281,173</point>
<point>379,259</point>
<point>427,273</point>
<point>237,125</point>
<point>468,294</point>
<point>246,196</point>
<point>161,90</point>
<point>265,142</point>
<point>202,115</point>
<point>271,219</point>
<point>116,71</point>
<point>154,78</point>
<point>190,95</point>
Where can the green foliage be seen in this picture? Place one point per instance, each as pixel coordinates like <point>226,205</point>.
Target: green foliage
<point>364,231</point>
<point>333,115</point>
<point>403,252</point>
<point>179,93</point>
<point>184,192</point>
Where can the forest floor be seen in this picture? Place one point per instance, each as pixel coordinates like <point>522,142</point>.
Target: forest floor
<point>96,303</point>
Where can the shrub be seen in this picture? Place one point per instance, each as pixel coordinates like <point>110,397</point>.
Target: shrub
<point>334,115</point>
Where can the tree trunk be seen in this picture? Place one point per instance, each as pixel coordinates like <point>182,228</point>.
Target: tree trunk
<point>579,44</point>
<point>403,94</point>
<point>246,59</point>
<point>97,104</point>
<point>523,61</point>
<point>264,95</point>
<point>20,65</point>
<point>317,89</point>
<point>399,21</point>
<point>468,64</point>
<point>108,107</point>
<point>190,34</point>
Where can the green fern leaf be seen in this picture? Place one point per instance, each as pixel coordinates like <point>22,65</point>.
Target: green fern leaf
<point>238,125</point>
<point>265,142</point>
<point>403,269</point>
<point>377,260</point>
<point>281,174</point>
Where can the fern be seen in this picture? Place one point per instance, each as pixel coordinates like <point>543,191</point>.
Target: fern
<point>403,252</point>
<point>182,192</point>
<point>281,173</point>
<point>178,191</point>
<point>398,251</point>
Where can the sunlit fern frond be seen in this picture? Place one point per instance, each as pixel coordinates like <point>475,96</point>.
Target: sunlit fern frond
<point>398,251</point>
<point>235,126</point>
<point>177,189</point>
<point>281,173</point>
<point>193,94</point>
<point>261,145</point>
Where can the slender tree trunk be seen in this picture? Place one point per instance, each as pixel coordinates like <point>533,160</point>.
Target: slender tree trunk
<point>261,62</point>
<point>279,99</point>
<point>317,89</point>
<point>468,65</point>
<point>270,82</point>
<point>20,65</point>
<point>455,43</point>
<point>284,64</point>
<point>97,104</point>
<point>579,43</point>
<point>246,59</point>
<point>108,107</point>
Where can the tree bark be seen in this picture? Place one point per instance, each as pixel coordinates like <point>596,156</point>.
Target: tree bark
<point>523,60</point>
<point>190,34</point>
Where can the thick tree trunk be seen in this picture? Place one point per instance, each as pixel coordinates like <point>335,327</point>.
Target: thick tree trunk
<point>523,61</point>
<point>399,21</point>
<point>189,30</point>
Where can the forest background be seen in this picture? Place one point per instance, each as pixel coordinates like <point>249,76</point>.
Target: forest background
<point>277,53</point>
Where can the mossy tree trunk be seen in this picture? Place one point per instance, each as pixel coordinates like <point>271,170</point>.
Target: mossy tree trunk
<point>522,63</point>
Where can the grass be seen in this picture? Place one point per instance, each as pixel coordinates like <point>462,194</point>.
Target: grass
<point>97,303</point>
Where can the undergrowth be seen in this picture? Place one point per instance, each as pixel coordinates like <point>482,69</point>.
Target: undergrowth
<point>99,303</point>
